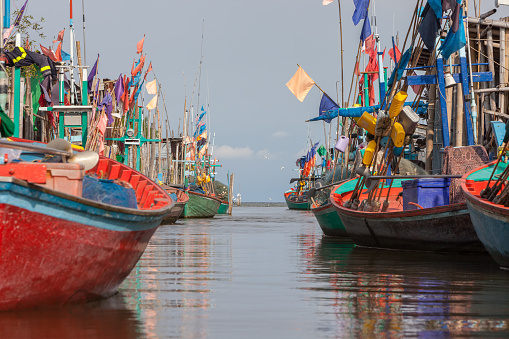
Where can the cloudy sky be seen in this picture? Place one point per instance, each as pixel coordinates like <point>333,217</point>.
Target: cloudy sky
<point>250,50</point>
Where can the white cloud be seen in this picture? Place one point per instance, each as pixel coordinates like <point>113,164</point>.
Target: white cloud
<point>226,151</point>
<point>280,134</point>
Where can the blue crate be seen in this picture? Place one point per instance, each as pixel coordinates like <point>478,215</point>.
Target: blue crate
<point>426,192</point>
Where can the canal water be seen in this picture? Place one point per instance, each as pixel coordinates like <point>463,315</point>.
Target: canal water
<point>267,272</point>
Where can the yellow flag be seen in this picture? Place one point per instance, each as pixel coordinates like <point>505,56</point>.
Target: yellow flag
<point>151,87</point>
<point>300,84</point>
<point>153,103</point>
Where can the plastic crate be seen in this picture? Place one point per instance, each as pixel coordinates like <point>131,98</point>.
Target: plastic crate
<point>426,192</point>
<point>64,177</point>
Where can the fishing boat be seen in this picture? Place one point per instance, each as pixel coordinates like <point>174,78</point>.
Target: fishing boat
<point>329,220</point>
<point>68,236</point>
<point>201,205</point>
<point>490,218</point>
<point>440,228</point>
<point>181,201</point>
<point>297,200</point>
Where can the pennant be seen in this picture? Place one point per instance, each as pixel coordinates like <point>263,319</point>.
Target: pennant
<point>58,53</point>
<point>300,84</point>
<point>138,91</point>
<point>151,87</point>
<point>139,67</point>
<point>326,2</point>
<point>361,10</point>
<point>148,70</point>
<point>139,45</point>
<point>203,112</point>
<point>366,31</point>
<point>396,57</point>
<point>369,44</point>
<point>20,15</point>
<point>119,88</point>
<point>326,104</point>
<point>92,74</point>
<point>415,88</point>
<point>60,36</point>
<point>153,103</point>
<point>455,39</point>
<point>65,55</point>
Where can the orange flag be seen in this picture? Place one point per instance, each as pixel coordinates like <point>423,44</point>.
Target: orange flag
<point>140,66</point>
<point>60,36</point>
<point>139,46</point>
<point>300,84</point>
<point>148,70</point>
<point>153,103</point>
<point>58,53</point>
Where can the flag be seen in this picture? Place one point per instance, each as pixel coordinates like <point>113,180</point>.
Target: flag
<point>396,57</point>
<point>366,32</point>
<point>300,84</point>
<point>139,46</point>
<point>151,87</point>
<point>201,115</point>
<point>326,2</point>
<point>139,66</point>
<point>138,91</point>
<point>326,104</point>
<point>58,53</point>
<point>455,39</point>
<point>153,103</point>
<point>361,10</point>
<point>60,36</point>
<point>148,70</point>
<point>92,74</point>
<point>369,44</point>
<point>20,15</point>
<point>65,56</point>
<point>7,33</point>
<point>356,69</point>
<point>119,88</point>
<point>415,88</point>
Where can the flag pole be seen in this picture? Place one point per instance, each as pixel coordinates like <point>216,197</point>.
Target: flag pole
<point>84,45</point>
<point>71,40</point>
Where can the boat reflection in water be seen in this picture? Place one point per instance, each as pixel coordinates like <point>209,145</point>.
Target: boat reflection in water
<point>383,293</point>
<point>107,318</point>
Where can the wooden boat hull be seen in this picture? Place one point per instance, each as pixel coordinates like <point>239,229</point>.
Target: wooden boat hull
<point>223,208</point>
<point>57,250</point>
<point>491,221</point>
<point>442,228</point>
<point>329,220</point>
<point>178,209</point>
<point>296,204</point>
<point>201,206</point>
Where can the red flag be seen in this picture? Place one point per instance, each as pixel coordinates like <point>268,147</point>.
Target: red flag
<point>415,88</point>
<point>356,70</point>
<point>369,44</point>
<point>148,70</point>
<point>49,53</point>
<point>140,66</point>
<point>58,53</point>
<point>60,36</point>
<point>139,46</point>
<point>398,54</point>
<point>372,67</point>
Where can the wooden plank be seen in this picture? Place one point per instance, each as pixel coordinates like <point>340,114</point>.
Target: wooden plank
<point>432,80</point>
<point>443,104</point>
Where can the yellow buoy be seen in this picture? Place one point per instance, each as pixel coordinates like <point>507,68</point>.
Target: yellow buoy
<point>398,135</point>
<point>368,153</point>
<point>397,104</point>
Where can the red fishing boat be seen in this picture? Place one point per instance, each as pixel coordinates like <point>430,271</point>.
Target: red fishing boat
<point>63,242</point>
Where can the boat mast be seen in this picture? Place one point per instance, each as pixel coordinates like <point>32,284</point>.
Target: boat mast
<point>71,39</point>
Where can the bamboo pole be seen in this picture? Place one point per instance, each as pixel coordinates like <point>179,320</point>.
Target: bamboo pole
<point>430,130</point>
<point>491,66</point>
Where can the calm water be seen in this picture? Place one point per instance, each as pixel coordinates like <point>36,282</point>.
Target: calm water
<point>267,272</point>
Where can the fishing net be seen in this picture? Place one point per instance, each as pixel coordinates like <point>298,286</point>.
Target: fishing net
<point>108,192</point>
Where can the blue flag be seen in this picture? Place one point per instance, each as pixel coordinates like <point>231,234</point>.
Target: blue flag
<point>366,29</point>
<point>361,10</point>
<point>65,56</point>
<point>326,104</point>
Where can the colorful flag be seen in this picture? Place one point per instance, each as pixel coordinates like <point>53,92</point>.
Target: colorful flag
<point>366,32</point>
<point>153,103</point>
<point>119,88</point>
<point>92,74</point>
<point>148,70</point>
<point>60,36</point>
<point>139,67</point>
<point>65,56</point>
<point>58,53</point>
<point>361,10</point>
<point>455,39</point>
<point>369,44</point>
<point>396,57</point>
<point>326,104</point>
<point>326,2</point>
<point>139,46</point>
<point>20,15</point>
<point>300,84</point>
<point>151,87</point>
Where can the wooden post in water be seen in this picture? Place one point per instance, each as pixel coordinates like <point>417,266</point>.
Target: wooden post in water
<point>230,195</point>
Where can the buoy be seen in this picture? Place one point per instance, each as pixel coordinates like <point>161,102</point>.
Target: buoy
<point>398,135</point>
<point>397,104</point>
<point>368,153</point>
<point>342,143</point>
<point>368,122</point>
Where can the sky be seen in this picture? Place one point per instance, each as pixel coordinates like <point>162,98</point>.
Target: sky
<point>250,50</point>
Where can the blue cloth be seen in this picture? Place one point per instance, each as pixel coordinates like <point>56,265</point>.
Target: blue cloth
<point>361,10</point>
<point>326,104</point>
<point>455,39</point>
<point>356,112</point>
<point>366,29</point>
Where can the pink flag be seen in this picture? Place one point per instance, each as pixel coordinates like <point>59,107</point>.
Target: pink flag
<point>151,87</point>
<point>415,88</point>
<point>300,84</point>
<point>49,53</point>
<point>139,46</point>
<point>369,44</point>
<point>60,36</point>
<point>58,53</point>
<point>326,2</point>
<point>398,54</point>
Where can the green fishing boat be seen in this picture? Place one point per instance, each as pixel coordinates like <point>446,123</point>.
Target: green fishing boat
<point>296,201</point>
<point>329,220</point>
<point>201,205</point>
